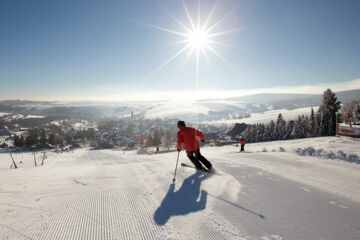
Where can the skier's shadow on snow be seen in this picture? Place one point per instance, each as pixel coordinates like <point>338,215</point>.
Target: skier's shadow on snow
<point>183,201</point>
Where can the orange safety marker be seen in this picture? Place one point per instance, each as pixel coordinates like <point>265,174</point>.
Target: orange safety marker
<point>15,166</point>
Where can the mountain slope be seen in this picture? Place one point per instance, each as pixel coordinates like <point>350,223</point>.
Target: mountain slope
<point>272,191</point>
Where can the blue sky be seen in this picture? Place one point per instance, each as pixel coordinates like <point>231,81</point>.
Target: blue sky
<point>96,49</point>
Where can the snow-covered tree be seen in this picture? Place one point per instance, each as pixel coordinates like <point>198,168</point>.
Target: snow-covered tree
<point>327,113</point>
<point>312,124</point>
<point>52,139</point>
<point>356,111</point>
<point>351,112</point>
<point>156,137</point>
<point>166,139</point>
<point>270,131</point>
<point>43,139</point>
<point>19,141</point>
<point>280,127</point>
<point>33,138</point>
<point>148,141</point>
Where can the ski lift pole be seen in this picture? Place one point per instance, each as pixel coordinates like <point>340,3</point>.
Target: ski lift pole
<point>177,160</point>
<point>35,159</point>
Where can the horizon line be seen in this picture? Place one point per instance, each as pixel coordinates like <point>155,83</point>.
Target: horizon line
<point>109,94</point>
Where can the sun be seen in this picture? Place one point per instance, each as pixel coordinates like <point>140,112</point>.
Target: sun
<point>198,39</point>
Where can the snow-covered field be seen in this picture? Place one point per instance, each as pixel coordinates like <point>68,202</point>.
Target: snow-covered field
<point>267,116</point>
<point>215,112</point>
<point>12,116</point>
<point>181,109</point>
<point>3,114</point>
<point>300,189</point>
<point>33,116</point>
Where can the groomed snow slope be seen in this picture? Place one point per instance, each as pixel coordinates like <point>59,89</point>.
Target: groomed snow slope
<point>301,189</point>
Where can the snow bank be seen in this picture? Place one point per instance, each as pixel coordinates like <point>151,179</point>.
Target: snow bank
<point>330,164</point>
<point>222,184</point>
<point>335,148</point>
<point>3,114</point>
<point>310,151</point>
<point>34,116</point>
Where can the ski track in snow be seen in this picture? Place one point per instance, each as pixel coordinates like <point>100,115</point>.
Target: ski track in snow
<point>105,194</point>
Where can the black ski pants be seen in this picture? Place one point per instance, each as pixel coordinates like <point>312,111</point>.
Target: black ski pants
<point>196,158</point>
<point>242,148</point>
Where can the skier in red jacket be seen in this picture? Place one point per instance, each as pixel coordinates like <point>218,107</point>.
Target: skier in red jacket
<point>187,135</point>
<point>242,143</point>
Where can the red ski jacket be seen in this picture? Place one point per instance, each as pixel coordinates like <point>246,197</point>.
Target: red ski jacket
<point>242,141</point>
<point>187,135</point>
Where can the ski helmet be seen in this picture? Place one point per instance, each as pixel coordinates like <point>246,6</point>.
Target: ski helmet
<point>181,124</point>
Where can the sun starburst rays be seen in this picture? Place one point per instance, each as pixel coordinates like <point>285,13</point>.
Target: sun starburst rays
<point>198,37</point>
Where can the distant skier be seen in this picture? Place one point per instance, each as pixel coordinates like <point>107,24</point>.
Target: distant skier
<point>187,135</point>
<point>242,144</point>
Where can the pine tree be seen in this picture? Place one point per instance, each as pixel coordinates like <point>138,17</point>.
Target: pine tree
<point>262,132</point>
<point>271,131</point>
<point>68,139</point>
<point>43,139</point>
<point>156,137</point>
<point>22,141</point>
<point>327,113</point>
<point>248,134</point>
<point>290,128</point>
<point>302,126</point>
<point>33,138</point>
<point>280,127</point>
<point>18,141</point>
<point>356,111</point>
<point>52,139</point>
<point>307,127</point>
<point>312,124</point>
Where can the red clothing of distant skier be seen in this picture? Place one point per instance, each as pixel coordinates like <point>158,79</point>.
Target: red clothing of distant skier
<point>187,135</point>
<point>242,141</point>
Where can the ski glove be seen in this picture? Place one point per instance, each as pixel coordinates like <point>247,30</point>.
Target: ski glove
<point>179,150</point>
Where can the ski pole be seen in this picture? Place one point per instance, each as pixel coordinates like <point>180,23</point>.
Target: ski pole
<point>176,166</point>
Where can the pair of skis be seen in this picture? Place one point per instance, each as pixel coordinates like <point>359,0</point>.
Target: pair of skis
<point>190,166</point>
<point>186,165</point>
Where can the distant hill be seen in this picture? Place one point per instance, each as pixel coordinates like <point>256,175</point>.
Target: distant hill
<point>292,101</point>
<point>348,96</point>
<point>202,110</point>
